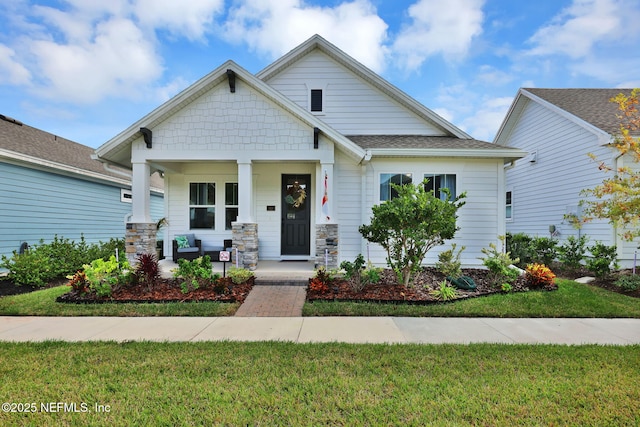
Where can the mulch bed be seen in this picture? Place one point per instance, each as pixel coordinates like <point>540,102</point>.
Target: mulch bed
<point>387,291</point>
<point>166,290</point>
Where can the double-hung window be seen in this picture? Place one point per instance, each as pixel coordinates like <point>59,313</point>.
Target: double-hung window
<point>202,205</point>
<point>386,179</point>
<point>509,205</point>
<point>438,182</point>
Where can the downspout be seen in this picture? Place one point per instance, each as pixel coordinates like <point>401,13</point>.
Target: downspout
<point>363,196</point>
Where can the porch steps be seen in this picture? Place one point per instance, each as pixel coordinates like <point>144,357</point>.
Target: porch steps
<point>272,281</point>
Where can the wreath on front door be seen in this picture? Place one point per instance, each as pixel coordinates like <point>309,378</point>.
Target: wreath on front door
<point>295,195</point>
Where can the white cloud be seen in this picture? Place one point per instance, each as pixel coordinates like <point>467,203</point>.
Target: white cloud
<point>115,61</point>
<point>192,18</point>
<point>14,72</point>
<point>579,27</point>
<point>437,27</point>
<point>274,27</point>
<point>488,117</point>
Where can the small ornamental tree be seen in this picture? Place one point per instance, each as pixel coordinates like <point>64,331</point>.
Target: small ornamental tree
<point>409,225</point>
<point>618,197</point>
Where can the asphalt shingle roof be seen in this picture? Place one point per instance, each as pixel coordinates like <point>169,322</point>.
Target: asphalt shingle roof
<point>591,105</point>
<point>27,140</point>
<point>419,141</point>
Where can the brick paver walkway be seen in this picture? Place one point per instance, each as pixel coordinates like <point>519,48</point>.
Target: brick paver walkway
<point>273,301</point>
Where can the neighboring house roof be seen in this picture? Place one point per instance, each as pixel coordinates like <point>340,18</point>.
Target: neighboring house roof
<point>317,42</point>
<point>589,108</point>
<point>432,146</point>
<point>26,144</point>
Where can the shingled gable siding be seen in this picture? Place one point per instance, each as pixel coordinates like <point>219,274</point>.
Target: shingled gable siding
<point>538,198</point>
<point>38,205</point>
<point>350,105</point>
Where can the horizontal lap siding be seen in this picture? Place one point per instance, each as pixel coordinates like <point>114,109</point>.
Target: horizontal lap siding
<point>348,207</point>
<point>478,218</point>
<point>351,105</point>
<point>542,191</point>
<point>38,205</point>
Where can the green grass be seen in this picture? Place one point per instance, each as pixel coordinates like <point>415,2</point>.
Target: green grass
<point>43,303</point>
<point>570,300</point>
<point>284,384</point>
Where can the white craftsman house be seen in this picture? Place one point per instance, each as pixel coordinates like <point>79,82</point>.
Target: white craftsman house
<point>287,163</point>
<point>558,128</point>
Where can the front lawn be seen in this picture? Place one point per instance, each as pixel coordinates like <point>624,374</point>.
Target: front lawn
<point>43,303</point>
<point>572,299</point>
<point>285,384</point>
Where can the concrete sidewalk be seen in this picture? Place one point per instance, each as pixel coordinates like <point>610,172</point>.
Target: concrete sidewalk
<point>324,329</point>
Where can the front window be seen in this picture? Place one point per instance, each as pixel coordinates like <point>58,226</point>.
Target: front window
<point>230,204</point>
<point>438,182</point>
<point>202,205</point>
<point>386,179</point>
<point>509,208</point>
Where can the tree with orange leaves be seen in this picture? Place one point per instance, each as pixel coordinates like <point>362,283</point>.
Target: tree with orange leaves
<point>618,197</point>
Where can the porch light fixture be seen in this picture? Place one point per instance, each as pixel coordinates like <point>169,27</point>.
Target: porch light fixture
<point>316,135</point>
<point>232,80</point>
<point>147,135</point>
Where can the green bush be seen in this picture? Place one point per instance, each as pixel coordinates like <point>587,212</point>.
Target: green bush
<point>194,273</point>
<point>604,259</point>
<point>498,263</point>
<point>444,292</point>
<point>358,275</point>
<point>572,252</point>
<point>104,277</point>
<point>545,250</point>
<point>45,262</point>
<point>520,246</point>
<point>239,275</point>
<point>449,262</point>
<point>629,283</point>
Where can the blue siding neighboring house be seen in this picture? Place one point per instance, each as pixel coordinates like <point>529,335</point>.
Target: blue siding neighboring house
<point>51,186</point>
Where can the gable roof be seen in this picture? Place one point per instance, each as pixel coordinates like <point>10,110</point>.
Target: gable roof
<point>118,149</point>
<point>318,42</point>
<point>43,150</point>
<point>589,108</point>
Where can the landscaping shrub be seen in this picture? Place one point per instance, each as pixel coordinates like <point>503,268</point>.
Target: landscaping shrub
<point>239,275</point>
<point>449,262</point>
<point>520,246</point>
<point>604,259</point>
<point>409,225</point>
<point>539,276</point>
<point>358,275</point>
<point>103,277</point>
<point>572,252</point>
<point>322,279</point>
<point>545,249</point>
<point>194,273</point>
<point>45,262</point>
<point>444,292</point>
<point>499,263</point>
<point>147,270</point>
<point>629,282</point>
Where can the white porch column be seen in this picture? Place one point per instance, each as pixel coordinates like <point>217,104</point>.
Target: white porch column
<point>326,214</point>
<point>140,192</point>
<point>245,192</point>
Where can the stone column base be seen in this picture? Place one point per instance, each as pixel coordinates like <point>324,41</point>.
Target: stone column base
<point>327,245</point>
<point>245,239</point>
<point>140,238</point>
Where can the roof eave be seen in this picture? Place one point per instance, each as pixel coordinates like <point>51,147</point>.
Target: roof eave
<point>507,154</point>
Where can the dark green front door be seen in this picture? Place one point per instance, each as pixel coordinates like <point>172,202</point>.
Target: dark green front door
<point>296,212</point>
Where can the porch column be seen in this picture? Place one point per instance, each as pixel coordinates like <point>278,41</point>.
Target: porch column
<point>140,193</point>
<point>245,192</point>
<point>326,223</point>
<point>140,235</point>
<point>244,232</point>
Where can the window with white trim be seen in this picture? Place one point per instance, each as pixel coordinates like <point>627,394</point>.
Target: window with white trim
<point>316,101</point>
<point>386,179</point>
<point>230,204</point>
<point>509,205</point>
<point>202,205</point>
<point>438,182</point>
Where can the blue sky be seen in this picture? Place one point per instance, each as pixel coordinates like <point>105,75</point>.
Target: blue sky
<point>87,69</point>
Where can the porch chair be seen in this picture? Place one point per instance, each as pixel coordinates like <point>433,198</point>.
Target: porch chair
<point>186,246</point>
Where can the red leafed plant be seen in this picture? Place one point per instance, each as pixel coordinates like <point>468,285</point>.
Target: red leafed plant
<point>539,276</point>
<point>78,282</point>
<point>147,270</point>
